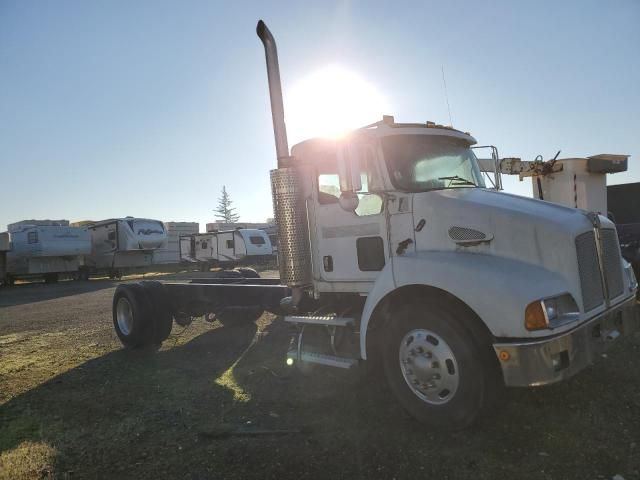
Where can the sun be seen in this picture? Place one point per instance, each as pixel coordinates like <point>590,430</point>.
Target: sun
<point>330,102</point>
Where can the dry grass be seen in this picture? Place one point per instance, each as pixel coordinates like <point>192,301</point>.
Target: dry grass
<point>73,404</point>
<point>27,461</point>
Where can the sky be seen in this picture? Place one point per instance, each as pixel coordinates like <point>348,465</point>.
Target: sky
<point>147,108</point>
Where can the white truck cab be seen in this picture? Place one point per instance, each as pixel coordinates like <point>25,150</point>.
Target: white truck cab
<point>458,288</point>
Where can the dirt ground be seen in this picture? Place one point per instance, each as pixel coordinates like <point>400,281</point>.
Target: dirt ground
<point>74,404</point>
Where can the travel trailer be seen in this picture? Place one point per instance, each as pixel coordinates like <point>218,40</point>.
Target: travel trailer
<point>45,249</point>
<point>198,248</point>
<point>226,248</point>
<point>170,254</point>
<point>123,245</point>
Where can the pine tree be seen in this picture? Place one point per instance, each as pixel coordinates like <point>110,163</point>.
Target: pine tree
<point>225,211</point>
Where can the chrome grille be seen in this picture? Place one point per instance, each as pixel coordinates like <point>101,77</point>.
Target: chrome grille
<point>589,270</point>
<point>611,262</point>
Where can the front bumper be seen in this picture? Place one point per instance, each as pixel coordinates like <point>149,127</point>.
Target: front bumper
<point>527,364</point>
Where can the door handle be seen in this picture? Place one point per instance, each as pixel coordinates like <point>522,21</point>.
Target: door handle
<point>402,246</point>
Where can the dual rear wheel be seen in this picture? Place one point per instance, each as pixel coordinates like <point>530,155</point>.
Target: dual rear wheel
<point>141,316</point>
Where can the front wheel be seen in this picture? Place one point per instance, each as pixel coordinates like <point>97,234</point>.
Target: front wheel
<point>432,365</point>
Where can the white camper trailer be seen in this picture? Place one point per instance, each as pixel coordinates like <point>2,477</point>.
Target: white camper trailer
<point>44,249</point>
<point>243,245</point>
<point>256,245</point>
<point>199,248</point>
<point>170,255</point>
<point>231,247</point>
<point>124,244</point>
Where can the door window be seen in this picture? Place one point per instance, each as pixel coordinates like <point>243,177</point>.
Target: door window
<point>329,184</point>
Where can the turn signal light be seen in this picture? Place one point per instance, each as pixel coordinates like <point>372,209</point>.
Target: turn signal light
<point>534,317</point>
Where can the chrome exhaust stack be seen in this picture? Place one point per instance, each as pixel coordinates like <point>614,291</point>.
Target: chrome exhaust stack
<point>275,92</point>
<point>289,206</point>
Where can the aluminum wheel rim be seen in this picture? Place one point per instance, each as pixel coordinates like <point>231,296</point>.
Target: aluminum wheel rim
<point>124,315</point>
<point>429,366</point>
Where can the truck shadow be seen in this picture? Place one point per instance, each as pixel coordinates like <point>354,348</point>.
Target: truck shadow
<point>190,410</point>
<point>147,402</point>
<point>26,293</point>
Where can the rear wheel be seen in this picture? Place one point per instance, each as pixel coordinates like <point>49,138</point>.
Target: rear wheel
<point>159,309</point>
<point>434,367</point>
<point>131,316</point>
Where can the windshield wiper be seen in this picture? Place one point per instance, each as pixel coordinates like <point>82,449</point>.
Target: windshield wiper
<point>460,180</point>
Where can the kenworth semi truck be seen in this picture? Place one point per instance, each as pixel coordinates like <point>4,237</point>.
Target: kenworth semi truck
<point>393,251</point>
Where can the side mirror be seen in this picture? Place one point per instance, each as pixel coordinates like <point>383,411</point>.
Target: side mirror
<point>349,169</point>
<point>349,201</point>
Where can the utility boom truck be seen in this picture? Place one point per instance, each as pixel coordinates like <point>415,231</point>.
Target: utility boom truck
<point>392,250</point>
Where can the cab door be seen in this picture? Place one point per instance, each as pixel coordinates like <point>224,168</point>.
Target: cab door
<point>349,220</point>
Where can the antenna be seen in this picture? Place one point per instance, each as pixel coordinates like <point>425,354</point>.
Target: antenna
<point>446,96</point>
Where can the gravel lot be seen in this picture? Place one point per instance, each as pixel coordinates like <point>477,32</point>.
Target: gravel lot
<point>218,402</point>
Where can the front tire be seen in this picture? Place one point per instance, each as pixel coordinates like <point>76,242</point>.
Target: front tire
<point>432,366</point>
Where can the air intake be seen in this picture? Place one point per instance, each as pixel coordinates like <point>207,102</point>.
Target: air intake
<point>464,235</point>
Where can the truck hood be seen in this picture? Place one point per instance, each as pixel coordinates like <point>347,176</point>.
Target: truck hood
<point>521,228</point>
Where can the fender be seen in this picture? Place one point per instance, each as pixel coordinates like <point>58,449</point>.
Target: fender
<point>497,289</point>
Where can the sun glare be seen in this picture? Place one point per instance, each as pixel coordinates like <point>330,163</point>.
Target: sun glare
<point>330,102</point>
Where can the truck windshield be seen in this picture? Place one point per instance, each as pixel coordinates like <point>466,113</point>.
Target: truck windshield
<point>418,163</point>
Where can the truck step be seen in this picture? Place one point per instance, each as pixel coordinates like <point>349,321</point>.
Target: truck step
<point>320,320</point>
<point>323,359</point>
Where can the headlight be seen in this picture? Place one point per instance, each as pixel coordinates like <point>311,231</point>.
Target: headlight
<point>551,312</point>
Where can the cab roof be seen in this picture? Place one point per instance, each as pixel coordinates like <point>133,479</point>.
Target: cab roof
<point>386,127</point>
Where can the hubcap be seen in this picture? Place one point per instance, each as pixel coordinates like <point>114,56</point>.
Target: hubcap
<point>124,315</point>
<point>429,366</point>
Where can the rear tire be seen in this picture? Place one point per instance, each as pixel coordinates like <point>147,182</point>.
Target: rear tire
<point>131,316</point>
<point>159,309</point>
<point>433,366</point>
